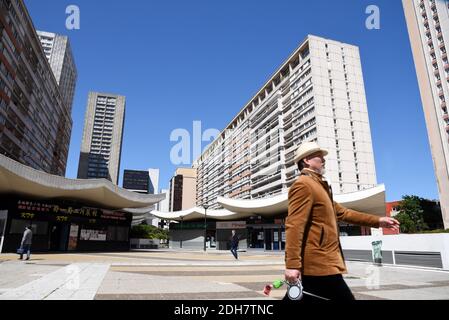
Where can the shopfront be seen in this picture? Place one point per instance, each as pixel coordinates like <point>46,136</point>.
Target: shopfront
<point>63,226</point>
<point>66,215</point>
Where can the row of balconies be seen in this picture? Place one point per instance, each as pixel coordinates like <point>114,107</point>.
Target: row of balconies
<point>288,116</point>
<point>273,147</point>
<point>300,121</point>
<point>289,137</point>
<point>271,131</point>
<point>264,179</point>
<point>269,186</point>
<point>238,176</point>
<point>267,116</point>
<point>239,183</point>
<point>239,191</point>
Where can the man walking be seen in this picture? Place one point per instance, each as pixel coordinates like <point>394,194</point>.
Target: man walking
<point>234,244</point>
<point>25,244</point>
<point>313,252</point>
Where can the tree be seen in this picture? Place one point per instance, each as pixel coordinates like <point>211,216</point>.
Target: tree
<point>143,231</point>
<point>411,215</point>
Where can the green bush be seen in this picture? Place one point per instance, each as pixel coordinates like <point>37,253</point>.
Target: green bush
<point>148,232</point>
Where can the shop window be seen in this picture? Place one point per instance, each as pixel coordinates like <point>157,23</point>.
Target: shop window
<point>117,233</point>
<point>93,235</point>
<point>38,227</point>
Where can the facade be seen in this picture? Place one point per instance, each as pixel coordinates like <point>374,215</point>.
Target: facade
<point>182,189</point>
<point>316,95</point>
<point>428,27</point>
<point>58,51</point>
<point>35,122</point>
<point>154,180</point>
<point>101,147</point>
<point>65,214</point>
<point>137,181</point>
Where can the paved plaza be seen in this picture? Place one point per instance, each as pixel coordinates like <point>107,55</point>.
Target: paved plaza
<point>193,275</point>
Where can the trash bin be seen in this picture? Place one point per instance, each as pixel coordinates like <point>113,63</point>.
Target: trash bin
<point>377,251</point>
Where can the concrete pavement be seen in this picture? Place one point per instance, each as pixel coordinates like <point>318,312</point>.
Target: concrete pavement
<point>178,275</point>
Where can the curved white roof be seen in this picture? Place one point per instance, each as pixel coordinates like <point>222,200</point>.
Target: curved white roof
<point>370,201</point>
<point>198,213</point>
<point>16,178</point>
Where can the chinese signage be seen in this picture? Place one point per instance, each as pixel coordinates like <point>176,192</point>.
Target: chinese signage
<point>29,209</point>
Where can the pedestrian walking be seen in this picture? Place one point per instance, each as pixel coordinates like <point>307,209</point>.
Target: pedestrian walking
<point>313,254</point>
<point>25,244</point>
<point>234,244</point>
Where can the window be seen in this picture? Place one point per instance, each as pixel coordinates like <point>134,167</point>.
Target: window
<point>117,233</point>
<point>38,227</point>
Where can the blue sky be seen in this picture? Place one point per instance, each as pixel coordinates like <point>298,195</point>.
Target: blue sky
<point>183,61</point>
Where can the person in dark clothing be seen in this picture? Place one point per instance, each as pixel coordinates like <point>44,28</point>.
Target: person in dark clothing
<point>234,244</point>
<point>25,244</point>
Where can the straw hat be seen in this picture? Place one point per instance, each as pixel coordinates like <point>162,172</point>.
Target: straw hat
<point>308,148</point>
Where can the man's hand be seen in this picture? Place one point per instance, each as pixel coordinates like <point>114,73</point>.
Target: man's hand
<point>292,275</point>
<point>390,223</point>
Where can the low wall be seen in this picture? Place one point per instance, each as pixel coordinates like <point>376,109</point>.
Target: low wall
<point>144,243</point>
<point>425,250</point>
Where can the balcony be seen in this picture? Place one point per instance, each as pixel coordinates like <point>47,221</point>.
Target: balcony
<point>440,93</point>
<point>443,104</point>
<point>429,42</point>
<point>436,71</point>
<point>447,128</point>
<point>445,117</point>
<point>446,66</point>
<point>444,55</point>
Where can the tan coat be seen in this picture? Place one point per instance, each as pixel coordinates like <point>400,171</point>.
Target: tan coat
<point>312,234</point>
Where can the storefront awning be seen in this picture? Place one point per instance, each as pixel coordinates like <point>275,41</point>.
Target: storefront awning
<point>18,179</point>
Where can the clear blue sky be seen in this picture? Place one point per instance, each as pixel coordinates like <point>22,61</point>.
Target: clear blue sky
<point>181,61</point>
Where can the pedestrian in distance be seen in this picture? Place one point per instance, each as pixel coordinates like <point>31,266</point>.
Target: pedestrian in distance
<point>25,244</point>
<point>313,254</point>
<point>234,244</point>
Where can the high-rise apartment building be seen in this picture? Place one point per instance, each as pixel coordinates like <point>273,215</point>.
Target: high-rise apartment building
<point>318,95</point>
<point>101,147</point>
<point>428,27</point>
<point>58,51</point>
<point>183,189</point>
<point>35,122</point>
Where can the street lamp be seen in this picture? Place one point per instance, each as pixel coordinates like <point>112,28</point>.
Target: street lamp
<point>205,224</point>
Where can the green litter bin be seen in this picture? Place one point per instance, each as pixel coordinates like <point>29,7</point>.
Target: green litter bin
<point>377,251</point>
